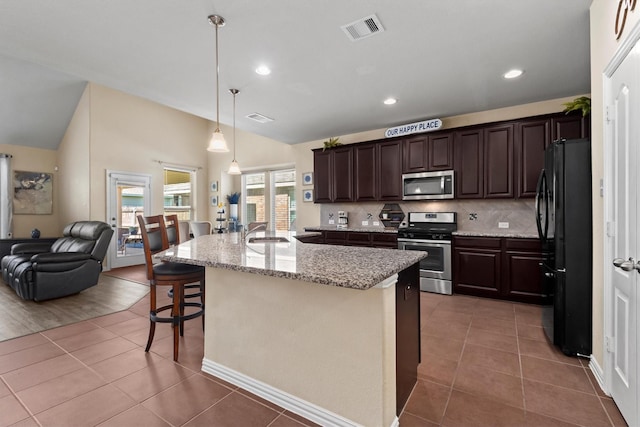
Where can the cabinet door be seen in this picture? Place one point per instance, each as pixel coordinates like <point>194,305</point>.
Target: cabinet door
<point>477,266</point>
<point>570,126</point>
<point>522,276</point>
<point>440,152</point>
<point>469,160</point>
<point>532,138</point>
<point>414,154</point>
<point>322,177</point>
<point>407,333</point>
<point>498,161</point>
<point>390,170</point>
<point>365,173</point>
<point>343,174</point>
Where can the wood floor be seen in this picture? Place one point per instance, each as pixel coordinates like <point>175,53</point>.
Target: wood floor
<point>19,317</point>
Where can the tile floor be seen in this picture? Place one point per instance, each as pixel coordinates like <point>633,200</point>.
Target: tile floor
<point>484,363</point>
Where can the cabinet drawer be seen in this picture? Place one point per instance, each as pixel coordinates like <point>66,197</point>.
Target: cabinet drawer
<point>359,239</point>
<point>527,245</point>
<point>335,237</point>
<point>477,242</point>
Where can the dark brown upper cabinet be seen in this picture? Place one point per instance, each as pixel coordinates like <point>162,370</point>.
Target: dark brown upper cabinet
<point>498,161</point>
<point>389,167</point>
<point>333,175</point>
<point>469,164</point>
<point>532,138</point>
<point>366,176</point>
<point>571,126</point>
<point>426,153</point>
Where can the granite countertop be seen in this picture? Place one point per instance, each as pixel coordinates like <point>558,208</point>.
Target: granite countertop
<point>345,266</point>
<point>506,233</point>
<point>358,229</point>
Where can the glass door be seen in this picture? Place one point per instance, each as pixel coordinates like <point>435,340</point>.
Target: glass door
<point>127,197</point>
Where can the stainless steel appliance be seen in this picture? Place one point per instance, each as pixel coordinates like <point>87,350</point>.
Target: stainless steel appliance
<point>343,219</point>
<point>428,185</point>
<point>563,217</point>
<point>431,232</point>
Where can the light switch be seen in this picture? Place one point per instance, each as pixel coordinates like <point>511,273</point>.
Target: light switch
<point>376,223</point>
<point>332,221</point>
<point>365,223</point>
<point>503,225</point>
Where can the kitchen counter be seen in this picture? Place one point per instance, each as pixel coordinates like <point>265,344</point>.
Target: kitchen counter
<point>354,229</point>
<point>348,267</point>
<point>328,353</point>
<point>506,233</point>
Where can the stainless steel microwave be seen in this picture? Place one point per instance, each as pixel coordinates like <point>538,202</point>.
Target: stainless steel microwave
<point>428,185</point>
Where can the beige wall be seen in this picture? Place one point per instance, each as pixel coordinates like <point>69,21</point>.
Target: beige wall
<point>603,47</point>
<point>35,160</point>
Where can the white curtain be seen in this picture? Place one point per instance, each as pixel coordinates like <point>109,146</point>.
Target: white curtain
<point>6,197</point>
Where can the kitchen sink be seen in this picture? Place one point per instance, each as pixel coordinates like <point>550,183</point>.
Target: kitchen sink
<point>268,240</point>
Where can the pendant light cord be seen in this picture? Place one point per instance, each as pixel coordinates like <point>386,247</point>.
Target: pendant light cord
<point>218,87</point>
<point>234,126</point>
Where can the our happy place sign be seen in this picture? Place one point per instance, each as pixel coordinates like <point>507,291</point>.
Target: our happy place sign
<point>417,127</point>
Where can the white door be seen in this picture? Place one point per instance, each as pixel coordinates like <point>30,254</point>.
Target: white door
<point>623,135</point>
<point>128,195</point>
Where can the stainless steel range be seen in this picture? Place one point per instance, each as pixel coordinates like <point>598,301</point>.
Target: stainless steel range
<point>431,232</point>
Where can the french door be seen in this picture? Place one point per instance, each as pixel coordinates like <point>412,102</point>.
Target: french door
<point>128,195</point>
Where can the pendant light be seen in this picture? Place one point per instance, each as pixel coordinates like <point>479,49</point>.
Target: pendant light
<point>234,168</point>
<point>217,144</point>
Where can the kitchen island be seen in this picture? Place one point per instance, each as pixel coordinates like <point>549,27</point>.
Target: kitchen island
<point>312,328</point>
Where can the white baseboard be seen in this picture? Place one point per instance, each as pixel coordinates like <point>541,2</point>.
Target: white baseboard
<point>287,401</point>
<point>598,373</point>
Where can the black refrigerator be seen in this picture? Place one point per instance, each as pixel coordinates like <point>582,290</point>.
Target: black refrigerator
<point>564,220</point>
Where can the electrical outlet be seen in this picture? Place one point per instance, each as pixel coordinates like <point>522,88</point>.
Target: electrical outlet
<point>365,223</point>
<point>503,225</point>
<point>376,223</point>
<point>332,221</point>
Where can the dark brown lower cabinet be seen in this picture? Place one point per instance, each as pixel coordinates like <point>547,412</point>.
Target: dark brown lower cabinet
<point>503,268</point>
<point>407,333</point>
<point>353,238</point>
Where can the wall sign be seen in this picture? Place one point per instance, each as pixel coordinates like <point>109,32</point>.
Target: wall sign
<point>624,7</point>
<point>417,127</point>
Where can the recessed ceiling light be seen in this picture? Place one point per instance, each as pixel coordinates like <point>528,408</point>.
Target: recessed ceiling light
<point>512,74</point>
<point>390,101</point>
<point>263,70</point>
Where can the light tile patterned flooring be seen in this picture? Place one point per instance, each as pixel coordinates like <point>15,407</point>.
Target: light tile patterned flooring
<point>484,363</point>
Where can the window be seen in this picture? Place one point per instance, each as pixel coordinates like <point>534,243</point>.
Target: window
<point>178,184</point>
<point>270,196</point>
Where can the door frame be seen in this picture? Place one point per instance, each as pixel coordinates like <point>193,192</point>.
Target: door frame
<point>134,179</point>
<point>605,374</point>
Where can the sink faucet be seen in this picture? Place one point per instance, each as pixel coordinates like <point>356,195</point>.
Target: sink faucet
<point>261,226</point>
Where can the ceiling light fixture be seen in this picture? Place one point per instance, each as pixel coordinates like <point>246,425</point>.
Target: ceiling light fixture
<point>390,101</point>
<point>263,70</point>
<point>234,168</point>
<point>217,144</point>
<point>512,74</point>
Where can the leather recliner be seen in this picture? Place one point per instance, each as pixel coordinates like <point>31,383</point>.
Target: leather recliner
<point>40,271</point>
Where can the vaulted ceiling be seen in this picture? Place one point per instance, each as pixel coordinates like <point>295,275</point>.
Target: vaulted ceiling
<point>438,58</point>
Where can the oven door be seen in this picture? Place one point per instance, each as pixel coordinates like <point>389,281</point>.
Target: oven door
<point>438,264</point>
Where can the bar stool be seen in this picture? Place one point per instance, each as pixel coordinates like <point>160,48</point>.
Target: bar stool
<point>174,274</point>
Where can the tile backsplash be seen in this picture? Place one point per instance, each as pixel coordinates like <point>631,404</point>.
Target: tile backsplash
<point>473,215</point>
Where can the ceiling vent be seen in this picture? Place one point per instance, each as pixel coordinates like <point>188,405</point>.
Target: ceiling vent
<point>259,118</point>
<point>363,28</point>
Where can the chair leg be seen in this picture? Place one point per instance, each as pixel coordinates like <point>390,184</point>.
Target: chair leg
<point>202,301</point>
<point>152,312</point>
<point>175,312</point>
<point>181,311</point>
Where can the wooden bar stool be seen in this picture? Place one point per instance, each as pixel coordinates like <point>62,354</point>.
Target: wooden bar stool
<point>174,274</point>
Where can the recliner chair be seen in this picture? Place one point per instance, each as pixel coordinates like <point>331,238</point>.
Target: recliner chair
<point>39,271</point>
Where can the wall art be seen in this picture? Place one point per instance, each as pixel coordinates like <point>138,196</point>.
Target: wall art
<point>307,195</point>
<point>307,178</point>
<point>32,193</point>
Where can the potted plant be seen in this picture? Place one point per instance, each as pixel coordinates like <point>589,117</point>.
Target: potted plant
<point>332,142</point>
<point>581,103</point>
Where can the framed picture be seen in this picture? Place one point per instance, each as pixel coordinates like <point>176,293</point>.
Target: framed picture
<point>307,195</point>
<point>307,178</point>
<point>33,193</point>
<point>214,186</point>
<point>214,200</point>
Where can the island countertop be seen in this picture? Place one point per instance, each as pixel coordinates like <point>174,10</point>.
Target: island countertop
<point>344,266</point>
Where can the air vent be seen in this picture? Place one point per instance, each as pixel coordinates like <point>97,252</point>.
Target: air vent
<point>363,28</point>
<point>259,118</point>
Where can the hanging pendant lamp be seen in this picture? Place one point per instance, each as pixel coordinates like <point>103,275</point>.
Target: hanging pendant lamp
<point>234,168</point>
<point>217,144</point>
